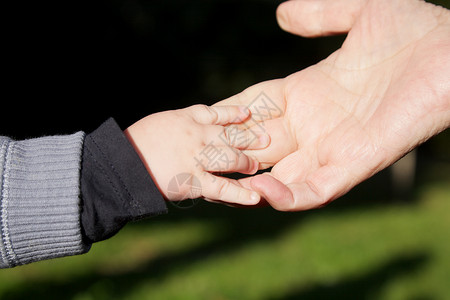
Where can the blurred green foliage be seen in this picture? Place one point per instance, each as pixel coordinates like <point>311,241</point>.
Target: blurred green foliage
<point>363,246</point>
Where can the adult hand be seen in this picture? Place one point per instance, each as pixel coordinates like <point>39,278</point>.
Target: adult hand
<point>384,92</point>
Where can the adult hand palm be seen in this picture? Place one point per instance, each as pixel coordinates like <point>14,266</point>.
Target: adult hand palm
<point>385,91</point>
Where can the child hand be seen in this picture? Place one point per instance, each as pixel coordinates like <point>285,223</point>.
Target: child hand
<point>182,149</point>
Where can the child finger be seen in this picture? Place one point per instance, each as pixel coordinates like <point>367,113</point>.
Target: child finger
<point>226,160</point>
<point>238,137</point>
<point>245,138</point>
<point>227,190</point>
<point>220,115</point>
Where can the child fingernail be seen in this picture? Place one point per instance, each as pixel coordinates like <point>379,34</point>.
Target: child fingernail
<point>244,110</point>
<point>264,140</point>
<point>255,166</point>
<point>254,196</point>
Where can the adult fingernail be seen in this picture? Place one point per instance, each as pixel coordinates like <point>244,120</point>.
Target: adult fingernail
<point>281,19</point>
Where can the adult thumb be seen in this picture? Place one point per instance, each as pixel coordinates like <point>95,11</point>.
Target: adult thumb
<point>312,18</point>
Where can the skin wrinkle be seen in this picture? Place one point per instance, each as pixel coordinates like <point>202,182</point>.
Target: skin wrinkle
<point>348,150</point>
<point>348,112</point>
<point>410,118</point>
<point>435,89</point>
<point>362,100</point>
<point>287,126</point>
<point>312,186</point>
<point>381,62</point>
<point>350,115</point>
<point>326,74</point>
<point>346,116</point>
<point>291,130</point>
<point>349,91</point>
<point>330,100</point>
<point>435,94</point>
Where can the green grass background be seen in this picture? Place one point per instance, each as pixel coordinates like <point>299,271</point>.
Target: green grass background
<point>366,245</point>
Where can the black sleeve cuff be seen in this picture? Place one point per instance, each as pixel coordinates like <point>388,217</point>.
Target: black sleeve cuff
<point>115,185</point>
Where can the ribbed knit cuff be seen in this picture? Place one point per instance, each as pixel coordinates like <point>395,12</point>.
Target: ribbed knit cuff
<point>40,204</point>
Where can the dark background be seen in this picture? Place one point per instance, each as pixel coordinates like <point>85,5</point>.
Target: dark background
<point>69,65</point>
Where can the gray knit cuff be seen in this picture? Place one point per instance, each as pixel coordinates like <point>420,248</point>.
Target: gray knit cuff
<point>40,203</point>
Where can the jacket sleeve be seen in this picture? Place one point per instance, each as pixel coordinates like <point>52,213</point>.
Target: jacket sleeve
<point>39,198</point>
<point>115,185</point>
